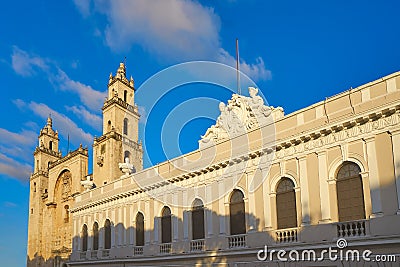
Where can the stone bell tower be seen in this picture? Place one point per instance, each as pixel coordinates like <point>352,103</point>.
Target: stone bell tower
<point>120,130</point>
<point>45,153</point>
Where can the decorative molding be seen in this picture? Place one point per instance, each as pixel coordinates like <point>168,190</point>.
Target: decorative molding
<point>360,128</point>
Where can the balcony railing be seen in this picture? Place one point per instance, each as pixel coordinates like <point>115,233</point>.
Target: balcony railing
<point>197,245</point>
<point>237,241</point>
<point>137,251</point>
<point>105,253</point>
<point>93,254</point>
<point>165,248</point>
<point>82,255</point>
<point>288,235</point>
<point>352,229</point>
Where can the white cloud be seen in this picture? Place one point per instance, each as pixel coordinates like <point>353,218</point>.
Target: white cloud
<point>93,99</point>
<point>174,30</point>
<point>91,119</point>
<point>9,204</point>
<point>62,123</point>
<point>258,70</point>
<point>25,64</point>
<point>14,169</point>
<point>83,7</point>
<point>25,137</point>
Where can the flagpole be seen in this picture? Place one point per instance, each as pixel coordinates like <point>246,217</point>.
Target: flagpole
<point>237,66</point>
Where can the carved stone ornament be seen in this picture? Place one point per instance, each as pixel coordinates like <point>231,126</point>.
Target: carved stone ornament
<point>126,167</point>
<point>88,183</point>
<point>66,187</point>
<point>238,117</point>
<point>100,161</point>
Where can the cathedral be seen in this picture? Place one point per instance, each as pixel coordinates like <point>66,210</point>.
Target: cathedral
<point>264,188</point>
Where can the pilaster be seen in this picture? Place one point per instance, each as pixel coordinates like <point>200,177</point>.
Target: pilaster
<point>324,188</point>
<point>375,188</point>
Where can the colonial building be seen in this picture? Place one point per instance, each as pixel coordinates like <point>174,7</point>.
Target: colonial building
<point>326,176</point>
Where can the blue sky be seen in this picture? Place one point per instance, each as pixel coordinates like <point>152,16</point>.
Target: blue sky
<point>55,57</point>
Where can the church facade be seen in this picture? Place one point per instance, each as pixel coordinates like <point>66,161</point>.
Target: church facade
<point>326,177</point>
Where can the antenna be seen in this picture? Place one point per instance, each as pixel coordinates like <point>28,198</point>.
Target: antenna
<point>68,145</point>
<point>237,66</point>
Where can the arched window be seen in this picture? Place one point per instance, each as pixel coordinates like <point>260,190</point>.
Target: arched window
<point>66,214</point>
<point>166,226</point>
<point>51,145</point>
<point>127,154</point>
<point>125,95</point>
<point>95,236</point>
<point>107,234</point>
<point>350,192</point>
<point>84,237</point>
<point>286,204</point>
<point>109,125</point>
<point>126,126</point>
<point>197,219</point>
<point>237,213</point>
<point>139,229</point>
<point>34,187</point>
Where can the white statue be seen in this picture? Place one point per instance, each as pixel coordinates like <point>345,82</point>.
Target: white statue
<point>239,116</point>
<point>256,103</point>
<point>88,183</point>
<point>126,167</point>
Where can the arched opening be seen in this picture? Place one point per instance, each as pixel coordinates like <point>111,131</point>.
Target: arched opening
<point>66,214</point>
<point>166,227</point>
<point>84,237</point>
<point>95,236</point>
<point>139,229</point>
<point>197,219</point>
<point>237,214</point>
<point>109,126</point>
<point>125,95</point>
<point>126,126</point>
<point>107,234</point>
<point>286,204</point>
<point>51,145</point>
<point>350,194</point>
<point>34,187</point>
<point>127,154</point>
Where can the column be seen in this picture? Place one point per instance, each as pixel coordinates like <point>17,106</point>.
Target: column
<point>174,221</point>
<point>396,158</point>
<point>113,228</point>
<point>251,211</point>
<point>147,223</point>
<point>208,212</point>
<point>305,200</point>
<point>324,188</point>
<point>156,230</point>
<point>186,225</point>
<point>375,188</point>
<point>221,208</point>
<point>267,202</point>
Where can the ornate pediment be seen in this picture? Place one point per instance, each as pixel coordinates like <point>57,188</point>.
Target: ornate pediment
<point>241,115</point>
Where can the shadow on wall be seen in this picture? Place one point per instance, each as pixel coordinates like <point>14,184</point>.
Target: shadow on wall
<point>205,238</point>
<point>39,261</point>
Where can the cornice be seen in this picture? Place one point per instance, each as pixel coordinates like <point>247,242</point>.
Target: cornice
<point>80,151</point>
<point>296,146</point>
<point>121,103</point>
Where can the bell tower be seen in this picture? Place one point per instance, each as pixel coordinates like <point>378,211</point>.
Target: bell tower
<point>45,153</point>
<point>120,130</point>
